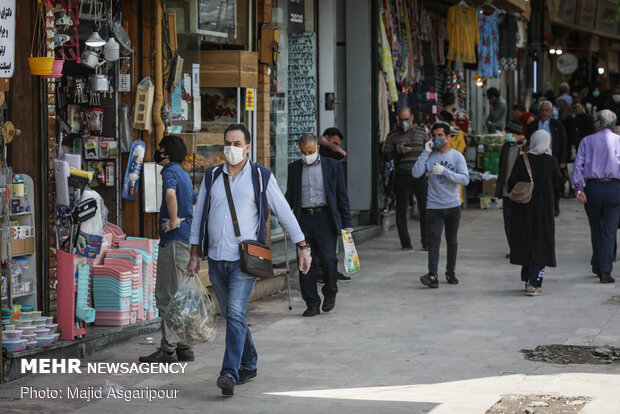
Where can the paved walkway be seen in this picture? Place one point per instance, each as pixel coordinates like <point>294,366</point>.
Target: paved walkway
<point>394,346</point>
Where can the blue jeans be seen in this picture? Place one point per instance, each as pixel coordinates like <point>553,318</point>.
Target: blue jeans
<point>233,288</point>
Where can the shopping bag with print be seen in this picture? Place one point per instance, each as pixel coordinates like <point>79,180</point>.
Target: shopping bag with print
<point>191,313</point>
<point>351,259</point>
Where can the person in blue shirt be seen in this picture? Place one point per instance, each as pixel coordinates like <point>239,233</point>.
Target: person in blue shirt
<point>447,170</point>
<point>175,222</point>
<point>254,193</point>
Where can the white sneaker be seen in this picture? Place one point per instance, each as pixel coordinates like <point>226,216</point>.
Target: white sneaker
<point>532,291</point>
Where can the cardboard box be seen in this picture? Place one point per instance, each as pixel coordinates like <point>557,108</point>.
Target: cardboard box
<point>490,203</point>
<point>228,69</point>
<point>488,186</point>
<point>22,246</point>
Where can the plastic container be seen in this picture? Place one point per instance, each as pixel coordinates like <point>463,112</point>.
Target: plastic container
<point>39,321</point>
<point>55,336</point>
<point>28,308</point>
<point>43,341</point>
<point>15,346</point>
<point>25,315</point>
<point>35,314</point>
<point>7,312</point>
<point>49,320</point>
<point>41,65</point>
<point>53,327</point>
<point>26,330</point>
<point>11,335</point>
<point>31,345</point>
<point>22,322</point>
<point>42,332</point>
<point>29,337</point>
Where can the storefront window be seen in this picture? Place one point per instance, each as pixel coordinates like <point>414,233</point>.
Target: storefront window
<point>293,86</point>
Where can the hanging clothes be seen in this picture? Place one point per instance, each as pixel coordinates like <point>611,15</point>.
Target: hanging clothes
<point>462,33</point>
<point>386,61</point>
<point>508,39</point>
<point>488,48</point>
<point>439,31</point>
<point>384,113</point>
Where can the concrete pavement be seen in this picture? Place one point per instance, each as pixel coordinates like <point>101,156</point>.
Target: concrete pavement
<point>393,345</point>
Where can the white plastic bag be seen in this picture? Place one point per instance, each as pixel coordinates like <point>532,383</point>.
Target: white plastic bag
<point>351,259</point>
<point>191,313</point>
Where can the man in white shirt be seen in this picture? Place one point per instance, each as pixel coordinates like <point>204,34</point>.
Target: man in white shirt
<point>254,191</point>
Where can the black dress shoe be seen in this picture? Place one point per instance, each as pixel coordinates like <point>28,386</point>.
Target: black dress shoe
<point>311,312</point>
<point>185,354</point>
<point>328,304</point>
<point>451,278</point>
<point>245,375</point>
<point>596,271</point>
<point>606,278</point>
<point>227,385</point>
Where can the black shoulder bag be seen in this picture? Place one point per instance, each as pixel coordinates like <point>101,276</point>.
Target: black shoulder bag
<point>255,256</point>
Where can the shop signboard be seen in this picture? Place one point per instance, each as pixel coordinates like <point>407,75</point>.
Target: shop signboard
<point>249,99</point>
<point>296,16</point>
<point>7,38</point>
<point>606,22</point>
<point>587,13</point>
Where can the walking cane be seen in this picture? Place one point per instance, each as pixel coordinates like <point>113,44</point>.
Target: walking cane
<point>288,274</point>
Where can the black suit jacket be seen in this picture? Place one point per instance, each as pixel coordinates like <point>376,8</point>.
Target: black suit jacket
<point>335,192</point>
<point>559,143</point>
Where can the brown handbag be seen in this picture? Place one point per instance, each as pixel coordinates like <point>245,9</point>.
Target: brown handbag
<point>255,256</point>
<point>522,191</point>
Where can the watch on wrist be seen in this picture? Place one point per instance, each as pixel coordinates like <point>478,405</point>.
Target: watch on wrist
<point>304,247</point>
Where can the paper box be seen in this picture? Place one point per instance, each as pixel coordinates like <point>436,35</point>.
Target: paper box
<point>490,202</point>
<point>488,186</point>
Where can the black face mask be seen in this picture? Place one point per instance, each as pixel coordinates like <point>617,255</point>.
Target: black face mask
<point>159,156</point>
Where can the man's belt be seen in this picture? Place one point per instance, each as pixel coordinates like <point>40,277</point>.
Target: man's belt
<point>313,210</point>
<point>602,180</point>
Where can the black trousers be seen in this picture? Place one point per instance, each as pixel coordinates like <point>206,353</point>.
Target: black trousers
<point>320,236</point>
<point>404,185</point>
<point>506,210</point>
<point>435,221</point>
<point>603,210</point>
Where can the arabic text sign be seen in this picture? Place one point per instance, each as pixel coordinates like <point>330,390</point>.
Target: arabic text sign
<point>7,38</point>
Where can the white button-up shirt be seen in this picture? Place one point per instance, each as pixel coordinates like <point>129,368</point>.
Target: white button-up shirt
<point>223,244</point>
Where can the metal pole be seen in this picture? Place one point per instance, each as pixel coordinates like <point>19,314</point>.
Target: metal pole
<point>288,273</point>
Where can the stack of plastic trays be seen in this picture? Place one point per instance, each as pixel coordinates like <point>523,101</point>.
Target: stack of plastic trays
<point>83,311</point>
<point>145,247</point>
<point>112,294</point>
<point>116,232</point>
<point>136,301</point>
<point>151,307</point>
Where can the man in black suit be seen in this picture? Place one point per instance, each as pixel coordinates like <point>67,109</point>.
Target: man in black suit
<point>559,142</point>
<point>317,194</point>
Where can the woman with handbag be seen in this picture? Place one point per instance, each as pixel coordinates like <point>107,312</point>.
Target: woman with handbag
<point>532,227</point>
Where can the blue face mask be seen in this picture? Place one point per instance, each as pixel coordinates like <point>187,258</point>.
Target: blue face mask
<point>439,142</point>
<point>510,138</point>
<point>596,94</point>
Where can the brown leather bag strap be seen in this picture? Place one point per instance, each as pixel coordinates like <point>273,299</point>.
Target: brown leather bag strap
<point>231,205</point>
<point>527,166</point>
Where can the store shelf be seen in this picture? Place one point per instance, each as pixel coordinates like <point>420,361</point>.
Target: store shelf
<point>24,213</point>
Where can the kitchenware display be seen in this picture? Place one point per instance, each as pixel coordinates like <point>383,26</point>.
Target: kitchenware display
<point>26,330</point>
<point>42,332</point>
<point>94,120</point>
<point>111,50</point>
<point>22,322</point>
<point>90,59</point>
<point>53,327</point>
<point>44,341</point>
<point>15,346</point>
<point>56,69</point>
<point>99,82</point>
<point>11,335</point>
<point>31,345</point>
<point>35,314</point>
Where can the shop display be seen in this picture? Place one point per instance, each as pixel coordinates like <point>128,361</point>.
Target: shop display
<point>488,46</point>
<point>134,169</point>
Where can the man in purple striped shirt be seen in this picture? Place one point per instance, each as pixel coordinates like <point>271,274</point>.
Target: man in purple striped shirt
<point>598,167</point>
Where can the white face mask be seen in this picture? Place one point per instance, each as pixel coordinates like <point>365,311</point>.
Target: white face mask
<point>310,159</point>
<point>616,97</point>
<point>234,155</point>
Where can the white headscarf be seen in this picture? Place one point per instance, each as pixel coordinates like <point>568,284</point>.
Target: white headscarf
<point>539,143</point>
